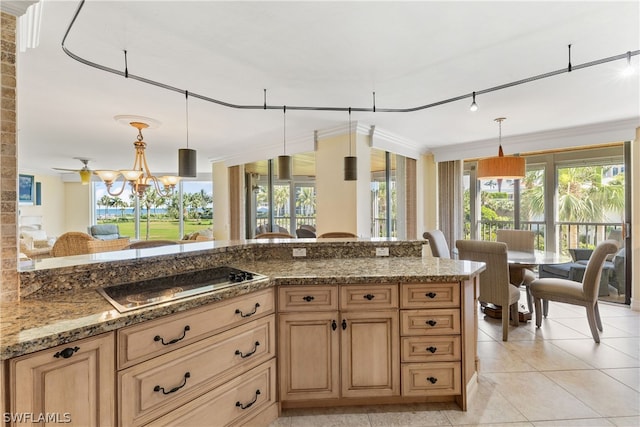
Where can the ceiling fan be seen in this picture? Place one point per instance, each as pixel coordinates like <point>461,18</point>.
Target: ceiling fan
<point>85,172</point>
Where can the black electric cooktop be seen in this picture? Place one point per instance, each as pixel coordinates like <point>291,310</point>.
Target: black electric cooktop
<point>131,296</point>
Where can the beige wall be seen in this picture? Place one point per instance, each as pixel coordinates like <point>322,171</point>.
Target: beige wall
<point>336,199</point>
<point>76,212</point>
<point>221,211</point>
<point>53,207</point>
<point>363,186</point>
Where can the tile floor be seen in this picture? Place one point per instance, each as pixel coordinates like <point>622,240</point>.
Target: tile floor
<point>553,376</point>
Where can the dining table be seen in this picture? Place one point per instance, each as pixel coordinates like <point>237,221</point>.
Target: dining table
<point>519,261</point>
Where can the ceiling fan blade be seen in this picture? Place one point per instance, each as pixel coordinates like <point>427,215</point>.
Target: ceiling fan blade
<point>67,170</point>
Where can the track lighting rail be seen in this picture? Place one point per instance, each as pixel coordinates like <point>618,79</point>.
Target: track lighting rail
<point>127,74</point>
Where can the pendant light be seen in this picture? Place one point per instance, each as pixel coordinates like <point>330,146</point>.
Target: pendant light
<point>187,163</point>
<point>350,162</point>
<point>284,161</point>
<point>501,166</point>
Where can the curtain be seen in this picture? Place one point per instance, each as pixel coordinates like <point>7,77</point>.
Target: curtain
<point>450,196</point>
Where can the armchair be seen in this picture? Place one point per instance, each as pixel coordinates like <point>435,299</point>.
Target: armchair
<point>78,243</point>
<point>105,231</point>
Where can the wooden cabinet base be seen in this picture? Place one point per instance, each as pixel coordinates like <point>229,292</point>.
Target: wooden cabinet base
<point>361,401</point>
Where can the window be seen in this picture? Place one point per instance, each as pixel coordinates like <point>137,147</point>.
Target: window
<point>384,195</point>
<point>287,213</point>
<point>154,217</point>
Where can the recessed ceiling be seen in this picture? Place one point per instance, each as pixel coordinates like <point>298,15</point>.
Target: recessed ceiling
<point>325,53</point>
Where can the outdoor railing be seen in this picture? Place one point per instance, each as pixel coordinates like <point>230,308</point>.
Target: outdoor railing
<point>569,234</point>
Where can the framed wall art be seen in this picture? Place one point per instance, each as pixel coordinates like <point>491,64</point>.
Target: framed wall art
<point>26,189</point>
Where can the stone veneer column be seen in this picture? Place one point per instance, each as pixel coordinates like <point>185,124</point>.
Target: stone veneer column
<point>9,284</point>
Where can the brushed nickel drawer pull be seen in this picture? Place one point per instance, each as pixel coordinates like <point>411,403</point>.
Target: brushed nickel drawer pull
<point>432,380</point>
<point>308,298</point>
<point>255,310</point>
<point>431,322</point>
<point>66,353</point>
<point>176,388</point>
<point>369,297</point>
<point>248,405</point>
<point>175,340</point>
<point>245,355</point>
<point>432,349</point>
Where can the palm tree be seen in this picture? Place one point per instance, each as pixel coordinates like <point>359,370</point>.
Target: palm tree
<point>120,204</point>
<point>106,202</point>
<point>583,197</point>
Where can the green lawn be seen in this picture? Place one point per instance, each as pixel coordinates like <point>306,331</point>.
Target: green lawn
<point>160,229</point>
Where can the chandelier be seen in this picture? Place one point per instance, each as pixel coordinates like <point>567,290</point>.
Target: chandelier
<point>501,166</point>
<point>139,177</point>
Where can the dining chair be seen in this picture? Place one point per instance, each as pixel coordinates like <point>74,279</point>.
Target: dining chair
<point>274,235</point>
<point>437,243</point>
<point>305,233</point>
<point>520,241</point>
<point>495,287</point>
<point>337,234</point>
<point>576,293</point>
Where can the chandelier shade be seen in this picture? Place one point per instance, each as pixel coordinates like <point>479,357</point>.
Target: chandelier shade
<point>350,161</point>
<point>139,177</point>
<point>501,166</point>
<point>284,168</point>
<point>187,163</point>
<point>350,168</point>
<point>85,176</point>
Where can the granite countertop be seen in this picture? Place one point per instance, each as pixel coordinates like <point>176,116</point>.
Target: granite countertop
<point>36,324</point>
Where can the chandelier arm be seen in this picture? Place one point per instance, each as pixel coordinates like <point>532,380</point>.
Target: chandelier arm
<point>126,74</point>
<point>164,192</point>
<point>124,184</point>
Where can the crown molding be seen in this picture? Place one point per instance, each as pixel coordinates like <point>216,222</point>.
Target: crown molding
<point>15,7</point>
<point>391,142</point>
<point>298,145</point>
<point>591,134</point>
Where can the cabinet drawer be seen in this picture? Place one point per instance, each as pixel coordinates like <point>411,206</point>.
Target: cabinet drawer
<point>367,297</point>
<point>237,402</point>
<point>431,379</point>
<point>431,348</point>
<point>166,382</point>
<point>431,295</point>
<point>430,322</point>
<point>149,339</point>
<point>304,298</point>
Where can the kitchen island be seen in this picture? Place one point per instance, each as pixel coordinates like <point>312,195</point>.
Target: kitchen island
<point>61,307</point>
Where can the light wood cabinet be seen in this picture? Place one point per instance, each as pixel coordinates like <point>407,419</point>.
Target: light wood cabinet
<point>71,383</point>
<point>438,329</point>
<point>224,342</point>
<point>309,355</point>
<point>378,343</point>
<point>326,353</point>
<point>370,354</point>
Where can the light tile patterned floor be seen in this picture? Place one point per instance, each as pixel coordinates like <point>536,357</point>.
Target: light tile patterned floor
<point>552,376</point>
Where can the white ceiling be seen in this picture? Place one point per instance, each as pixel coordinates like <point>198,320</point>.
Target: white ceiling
<point>326,53</point>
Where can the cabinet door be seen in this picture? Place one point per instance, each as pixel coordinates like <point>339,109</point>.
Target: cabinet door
<point>370,354</point>
<point>309,355</point>
<point>72,383</point>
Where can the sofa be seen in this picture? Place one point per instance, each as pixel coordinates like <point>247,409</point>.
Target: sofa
<point>34,242</point>
<point>105,231</point>
<point>612,271</point>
